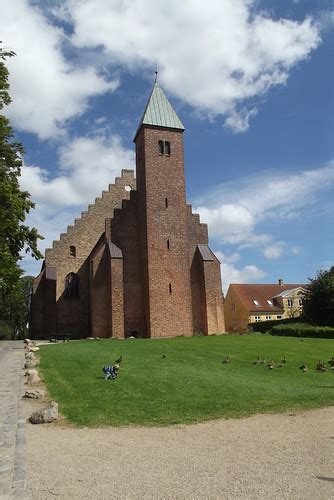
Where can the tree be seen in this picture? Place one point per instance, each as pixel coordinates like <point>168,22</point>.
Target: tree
<point>318,306</point>
<point>15,204</point>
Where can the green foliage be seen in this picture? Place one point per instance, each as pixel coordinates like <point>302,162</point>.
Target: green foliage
<point>14,207</point>
<point>183,380</point>
<point>303,330</point>
<point>266,326</point>
<point>318,304</point>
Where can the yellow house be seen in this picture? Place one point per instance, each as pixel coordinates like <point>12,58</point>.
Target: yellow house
<point>246,304</point>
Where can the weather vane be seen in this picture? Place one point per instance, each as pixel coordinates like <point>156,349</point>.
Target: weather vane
<point>156,72</point>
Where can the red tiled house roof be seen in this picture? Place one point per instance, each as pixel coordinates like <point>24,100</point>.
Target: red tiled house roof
<point>262,293</point>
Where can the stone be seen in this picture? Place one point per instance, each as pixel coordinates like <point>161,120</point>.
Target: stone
<point>30,355</point>
<point>33,377</point>
<point>34,394</point>
<point>31,363</point>
<point>46,415</point>
<point>33,349</point>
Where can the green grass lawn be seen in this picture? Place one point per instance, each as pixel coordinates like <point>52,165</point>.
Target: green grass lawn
<point>190,384</point>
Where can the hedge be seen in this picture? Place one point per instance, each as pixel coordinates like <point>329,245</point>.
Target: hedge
<point>266,326</point>
<point>303,330</point>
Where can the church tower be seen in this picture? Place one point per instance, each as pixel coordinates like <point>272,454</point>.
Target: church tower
<point>137,262</point>
<point>163,218</point>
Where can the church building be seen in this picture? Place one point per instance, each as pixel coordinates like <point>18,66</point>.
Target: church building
<point>137,262</point>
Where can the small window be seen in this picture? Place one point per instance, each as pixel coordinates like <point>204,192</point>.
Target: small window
<point>161,147</point>
<point>71,286</point>
<point>167,148</point>
<point>166,202</point>
<point>233,307</point>
<point>269,302</point>
<point>278,316</point>
<point>257,318</point>
<point>290,302</point>
<point>268,318</point>
<point>300,302</point>
<point>170,288</point>
<point>256,302</point>
<point>168,244</point>
<point>73,251</point>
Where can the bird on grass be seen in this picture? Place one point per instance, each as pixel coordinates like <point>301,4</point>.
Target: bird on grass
<point>257,361</point>
<point>164,356</point>
<point>331,363</point>
<point>320,366</point>
<point>119,360</point>
<point>271,365</point>
<point>303,368</point>
<point>226,359</point>
<point>283,361</point>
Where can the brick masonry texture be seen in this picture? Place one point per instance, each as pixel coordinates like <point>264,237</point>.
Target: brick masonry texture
<point>139,270</point>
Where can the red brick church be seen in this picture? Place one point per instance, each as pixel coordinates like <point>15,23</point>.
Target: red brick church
<point>137,262</point>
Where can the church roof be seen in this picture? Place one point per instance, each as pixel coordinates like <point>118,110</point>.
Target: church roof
<point>159,112</point>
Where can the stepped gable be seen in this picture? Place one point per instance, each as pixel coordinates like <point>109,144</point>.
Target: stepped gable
<point>87,229</point>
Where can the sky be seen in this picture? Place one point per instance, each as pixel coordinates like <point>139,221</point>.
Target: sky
<point>251,80</point>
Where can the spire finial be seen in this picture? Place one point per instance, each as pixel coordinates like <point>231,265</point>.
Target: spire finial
<point>156,72</point>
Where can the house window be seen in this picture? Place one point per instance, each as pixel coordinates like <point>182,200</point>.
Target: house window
<point>269,302</point>
<point>161,147</point>
<point>290,302</point>
<point>167,148</point>
<point>170,288</point>
<point>268,318</point>
<point>71,286</point>
<point>73,251</point>
<point>256,302</point>
<point>278,316</point>
<point>257,318</point>
<point>300,302</point>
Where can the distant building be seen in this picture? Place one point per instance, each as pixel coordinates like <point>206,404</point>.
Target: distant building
<point>246,304</point>
<point>137,262</point>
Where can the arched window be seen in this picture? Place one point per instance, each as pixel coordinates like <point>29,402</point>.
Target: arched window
<point>161,147</point>
<point>73,251</point>
<point>71,286</point>
<point>167,148</point>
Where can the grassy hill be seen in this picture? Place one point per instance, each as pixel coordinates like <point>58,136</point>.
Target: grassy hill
<point>183,380</point>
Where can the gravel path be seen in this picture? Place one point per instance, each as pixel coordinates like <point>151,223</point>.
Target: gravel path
<point>12,421</point>
<point>265,456</point>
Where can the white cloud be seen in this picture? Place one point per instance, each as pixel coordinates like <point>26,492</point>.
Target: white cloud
<point>214,58</point>
<point>235,210</point>
<point>46,88</point>
<point>274,251</point>
<point>87,166</point>
<point>231,274</point>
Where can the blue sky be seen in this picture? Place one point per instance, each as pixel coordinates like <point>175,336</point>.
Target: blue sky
<point>251,80</point>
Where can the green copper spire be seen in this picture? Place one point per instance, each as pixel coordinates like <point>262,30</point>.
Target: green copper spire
<point>159,111</point>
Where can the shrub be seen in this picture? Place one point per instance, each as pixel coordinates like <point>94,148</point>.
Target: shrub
<point>303,330</point>
<point>266,326</point>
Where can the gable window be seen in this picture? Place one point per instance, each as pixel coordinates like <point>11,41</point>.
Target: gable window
<point>300,301</point>
<point>290,302</point>
<point>256,302</point>
<point>73,251</point>
<point>71,286</point>
<point>161,147</point>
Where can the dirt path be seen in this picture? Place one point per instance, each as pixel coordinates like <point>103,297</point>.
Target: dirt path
<point>265,456</point>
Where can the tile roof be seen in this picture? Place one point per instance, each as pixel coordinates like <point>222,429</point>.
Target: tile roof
<point>159,111</point>
<point>262,293</point>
